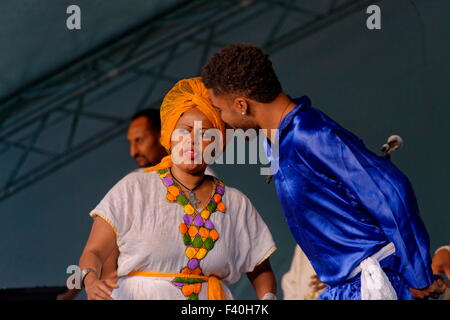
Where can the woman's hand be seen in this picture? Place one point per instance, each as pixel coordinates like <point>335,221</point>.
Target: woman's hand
<point>316,284</point>
<point>432,291</point>
<point>99,246</point>
<point>97,289</point>
<point>441,262</point>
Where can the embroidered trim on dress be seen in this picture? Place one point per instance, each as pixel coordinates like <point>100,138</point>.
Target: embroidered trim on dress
<point>93,214</point>
<point>271,251</point>
<point>199,234</point>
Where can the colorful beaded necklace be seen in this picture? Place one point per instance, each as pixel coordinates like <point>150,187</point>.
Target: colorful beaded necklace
<point>198,232</point>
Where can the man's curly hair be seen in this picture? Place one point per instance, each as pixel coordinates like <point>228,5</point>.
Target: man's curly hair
<point>242,69</point>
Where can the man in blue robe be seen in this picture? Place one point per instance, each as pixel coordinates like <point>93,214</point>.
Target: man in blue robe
<point>352,212</point>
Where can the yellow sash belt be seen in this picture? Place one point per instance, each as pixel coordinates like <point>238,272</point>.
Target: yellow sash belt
<point>215,290</point>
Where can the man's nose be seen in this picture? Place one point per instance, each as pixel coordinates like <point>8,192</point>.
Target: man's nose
<point>133,150</point>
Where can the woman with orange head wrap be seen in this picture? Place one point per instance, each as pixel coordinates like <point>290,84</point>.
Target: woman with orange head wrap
<point>188,98</point>
<point>180,232</point>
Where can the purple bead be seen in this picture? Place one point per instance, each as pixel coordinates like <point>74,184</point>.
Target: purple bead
<point>198,221</point>
<point>192,264</point>
<point>209,224</point>
<point>220,190</point>
<point>187,219</point>
<point>178,284</point>
<point>168,181</point>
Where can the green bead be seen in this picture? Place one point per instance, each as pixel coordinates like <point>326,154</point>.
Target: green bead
<point>198,242</point>
<point>188,280</point>
<point>212,206</point>
<point>209,244</point>
<point>193,296</point>
<point>162,171</point>
<point>193,281</point>
<point>187,239</point>
<point>178,279</point>
<point>182,200</point>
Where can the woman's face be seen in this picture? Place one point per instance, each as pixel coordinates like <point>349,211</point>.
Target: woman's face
<point>186,148</point>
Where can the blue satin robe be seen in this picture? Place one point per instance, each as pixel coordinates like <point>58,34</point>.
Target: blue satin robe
<point>342,202</point>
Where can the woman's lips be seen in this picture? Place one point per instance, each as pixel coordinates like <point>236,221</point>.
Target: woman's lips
<point>191,154</point>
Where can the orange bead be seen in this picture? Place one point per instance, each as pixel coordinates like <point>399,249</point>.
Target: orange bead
<point>186,271</point>
<point>203,232</point>
<point>173,190</point>
<point>217,198</point>
<point>187,289</point>
<point>183,228</point>
<point>197,271</point>
<point>221,207</point>
<point>171,197</point>
<point>197,287</point>
<point>213,234</point>
<point>193,231</point>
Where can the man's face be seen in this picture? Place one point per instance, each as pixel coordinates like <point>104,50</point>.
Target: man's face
<point>145,147</point>
<point>230,111</point>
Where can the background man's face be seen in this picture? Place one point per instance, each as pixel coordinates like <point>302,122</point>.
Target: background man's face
<point>145,147</point>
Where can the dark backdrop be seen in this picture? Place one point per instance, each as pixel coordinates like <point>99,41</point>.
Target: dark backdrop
<point>374,83</point>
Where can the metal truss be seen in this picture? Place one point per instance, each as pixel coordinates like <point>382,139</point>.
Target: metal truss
<point>147,51</point>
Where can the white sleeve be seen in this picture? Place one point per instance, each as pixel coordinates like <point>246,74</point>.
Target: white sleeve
<point>255,241</point>
<point>114,206</point>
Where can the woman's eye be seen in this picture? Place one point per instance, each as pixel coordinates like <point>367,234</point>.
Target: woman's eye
<point>183,131</point>
<point>201,134</point>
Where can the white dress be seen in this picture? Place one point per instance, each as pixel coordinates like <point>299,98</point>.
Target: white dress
<point>148,238</point>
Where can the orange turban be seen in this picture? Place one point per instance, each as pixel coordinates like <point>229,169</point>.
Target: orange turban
<point>185,95</point>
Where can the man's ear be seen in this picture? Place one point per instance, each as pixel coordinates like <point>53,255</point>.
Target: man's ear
<point>242,105</point>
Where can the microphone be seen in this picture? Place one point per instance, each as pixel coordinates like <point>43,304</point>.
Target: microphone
<point>393,143</point>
